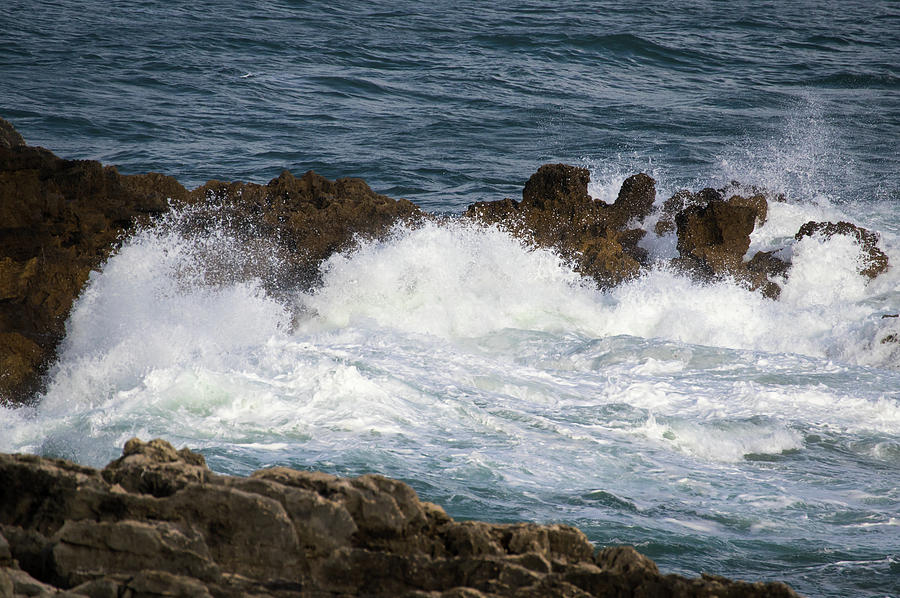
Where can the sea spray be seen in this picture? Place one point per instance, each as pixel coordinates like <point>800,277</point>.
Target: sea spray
<point>503,385</point>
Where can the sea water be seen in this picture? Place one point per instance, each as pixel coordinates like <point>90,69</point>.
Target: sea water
<point>714,429</point>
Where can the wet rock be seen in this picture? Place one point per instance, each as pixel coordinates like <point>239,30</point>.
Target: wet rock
<point>717,234</point>
<point>683,199</point>
<point>557,212</point>
<point>60,219</point>
<point>311,216</point>
<point>874,261</point>
<point>285,533</point>
<point>9,137</point>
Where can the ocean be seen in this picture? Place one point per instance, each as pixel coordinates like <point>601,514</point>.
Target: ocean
<point>714,429</point>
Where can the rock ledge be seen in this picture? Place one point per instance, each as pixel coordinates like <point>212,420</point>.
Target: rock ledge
<point>157,522</point>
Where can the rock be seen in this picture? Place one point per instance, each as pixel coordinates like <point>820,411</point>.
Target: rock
<point>161,584</point>
<point>281,532</point>
<point>684,199</point>
<point>557,212</point>
<point>7,588</point>
<point>717,234</point>
<point>5,554</point>
<point>874,261</point>
<point>155,468</point>
<point>60,219</point>
<point>757,202</point>
<point>557,184</point>
<point>9,137</point>
<point>635,200</point>
<point>311,216</point>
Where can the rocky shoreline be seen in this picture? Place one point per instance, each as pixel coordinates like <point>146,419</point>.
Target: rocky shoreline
<point>158,523</point>
<point>60,219</point>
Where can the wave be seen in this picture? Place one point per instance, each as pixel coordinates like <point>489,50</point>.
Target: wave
<point>850,80</point>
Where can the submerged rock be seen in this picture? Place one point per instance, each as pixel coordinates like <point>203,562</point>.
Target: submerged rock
<point>282,532</point>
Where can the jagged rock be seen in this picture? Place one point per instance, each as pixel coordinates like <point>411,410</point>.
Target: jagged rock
<point>717,234</point>
<point>757,202</point>
<point>679,201</point>
<point>556,211</point>
<point>874,261</point>
<point>311,216</point>
<point>283,532</point>
<point>9,137</point>
<point>60,219</point>
<point>286,533</point>
<point>683,199</point>
<point>555,184</point>
<point>155,468</point>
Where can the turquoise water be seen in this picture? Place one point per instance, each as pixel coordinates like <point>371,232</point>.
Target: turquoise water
<point>715,430</point>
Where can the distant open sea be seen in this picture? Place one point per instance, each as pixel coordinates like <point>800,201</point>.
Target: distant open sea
<point>714,429</point>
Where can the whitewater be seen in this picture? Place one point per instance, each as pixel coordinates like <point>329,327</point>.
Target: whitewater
<point>714,429</point>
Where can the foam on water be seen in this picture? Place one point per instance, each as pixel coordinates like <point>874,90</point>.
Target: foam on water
<point>496,378</point>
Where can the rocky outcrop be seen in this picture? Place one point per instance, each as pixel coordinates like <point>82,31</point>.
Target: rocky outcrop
<point>874,261</point>
<point>311,217</point>
<point>157,522</point>
<point>714,237</point>
<point>60,219</point>
<point>556,211</point>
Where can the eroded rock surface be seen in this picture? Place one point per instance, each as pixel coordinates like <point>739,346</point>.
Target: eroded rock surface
<point>556,211</point>
<point>60,219</point>
<point>157,522</point>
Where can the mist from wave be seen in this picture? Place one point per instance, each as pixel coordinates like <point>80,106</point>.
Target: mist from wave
<point>501,384</point>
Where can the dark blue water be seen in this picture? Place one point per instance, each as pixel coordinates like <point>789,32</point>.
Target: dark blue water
<point>446,105</point>
<point>792,475</point>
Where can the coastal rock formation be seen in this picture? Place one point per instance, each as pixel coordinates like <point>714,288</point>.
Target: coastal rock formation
<point>556,211</point>
<point>714,237</point>
<point>874,260</point>
<point>311,216</point>
<point>60,219</point>
<point>157,522</point>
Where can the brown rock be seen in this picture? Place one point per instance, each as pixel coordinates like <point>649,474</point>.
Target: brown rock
<point>874,261</point>
<point>162,584</point>
<point>73,528</point>
<point>9,137</point>
<point>60,219</point>
<point>557,212</point>
<point>156,468</point>
<point>717,234</point>
<point>757,202</point>
<point>635,200</point>
<point>556,184</point>
<point>85,550</point>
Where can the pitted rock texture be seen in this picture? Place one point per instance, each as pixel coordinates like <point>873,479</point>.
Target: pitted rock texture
<point>156,522</point>
<point>556,211</point>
